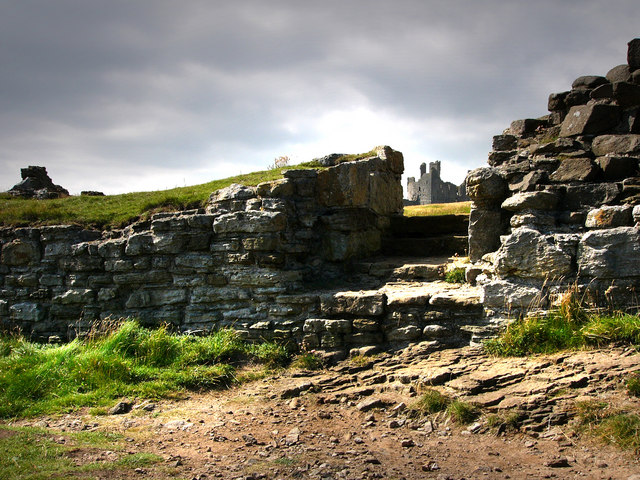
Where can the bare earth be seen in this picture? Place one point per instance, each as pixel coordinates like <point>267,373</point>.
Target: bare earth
<point>350,422</point>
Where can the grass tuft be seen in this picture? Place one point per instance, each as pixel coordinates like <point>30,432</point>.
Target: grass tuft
<point>462,412</point>
<point>129,360</point>
<point>431,401</point>
<point>308,361</point>
<point>633,385</point>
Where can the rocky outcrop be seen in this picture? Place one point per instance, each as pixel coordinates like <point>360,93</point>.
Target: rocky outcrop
<point>555,207</point>
<point>37,184</point>
<point>254,258</point>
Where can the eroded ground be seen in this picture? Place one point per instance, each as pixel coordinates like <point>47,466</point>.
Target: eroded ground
<point>352,422</point>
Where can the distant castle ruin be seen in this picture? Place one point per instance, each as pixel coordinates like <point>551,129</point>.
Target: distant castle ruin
<point>430,188</point>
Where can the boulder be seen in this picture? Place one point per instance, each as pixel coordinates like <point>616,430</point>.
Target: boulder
<point>621,73</point>
<point>20,252</point>
<point>588,82</point>
<point>557,102</point>
<point>486,187</point>
<point>526,127</point>
<point>234,191</point>
<point>505,142</point>
<point>575,170</point>
<point>527,253</point>
<point>610,254</point>
<point>589,119</point>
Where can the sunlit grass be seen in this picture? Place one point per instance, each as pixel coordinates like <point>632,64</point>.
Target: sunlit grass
<point>435,209</point>
<point>127,360</point>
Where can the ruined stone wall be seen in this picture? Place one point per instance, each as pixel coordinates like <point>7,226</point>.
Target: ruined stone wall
<point>252,259</point>
<point>559,203</point>
<point>430,188</point>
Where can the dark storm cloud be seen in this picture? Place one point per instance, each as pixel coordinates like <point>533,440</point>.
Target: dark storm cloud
<point>111,93</point>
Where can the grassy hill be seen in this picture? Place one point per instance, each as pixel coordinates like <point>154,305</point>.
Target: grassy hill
<point>113,211</point>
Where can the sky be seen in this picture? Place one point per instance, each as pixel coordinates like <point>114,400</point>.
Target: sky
<point>123,95</point>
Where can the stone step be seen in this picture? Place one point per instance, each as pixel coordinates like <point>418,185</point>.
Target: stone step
<point>402,226</point>
<point>426,246</point>
<point>397,314</point>
<point>407,269</point>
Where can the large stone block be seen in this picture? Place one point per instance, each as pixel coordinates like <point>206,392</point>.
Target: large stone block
<point>339,246</point>
<point>250,222</point>
<point>368,303</point>
<point>508,294</point>
<point>618,168</point>
<point>485,228</point>
<point>610,254</point>
<point>527,253</point>
<point>575,170</point>
<point>20,252</point>
<point>610,216</point>
<point>486,187</point>
<point>616,145</point>
<point>345,185</point>
<point>75,296</point>
<point>156,298</point>
<point>590,119</point>
<point>542,200</point>
<point>26,312</point>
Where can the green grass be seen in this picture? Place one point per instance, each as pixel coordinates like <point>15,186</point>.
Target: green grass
<point>33,454</point>
<point>431,401</point>
<point>308,361</point>
<point>462,412</point>
<point>127,360</point>
<point>113,211</point>
<point>633,385</point>
<point>435,209</point>
<point>456,275</point>
<point>611,426</point>
<point>565,331</point>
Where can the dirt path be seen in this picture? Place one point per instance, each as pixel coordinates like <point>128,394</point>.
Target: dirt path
<point>351,422</point>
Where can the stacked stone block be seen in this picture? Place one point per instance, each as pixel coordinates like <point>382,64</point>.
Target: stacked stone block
<point>556,205</point>
<point>246,261</point>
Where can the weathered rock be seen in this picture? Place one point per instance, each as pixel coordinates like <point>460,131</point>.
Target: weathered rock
<point>37,184</point>
<point>506,294</point>
<point>526,127</point>
<point>20,252</point>
<point>505,142</point>
<point>575,170</point>
<point>249,222</point>
<point>616,144</point>
<point>621,73</point>
<point>543,200</point>
<point>588,82</point>
<point>609,254</point>
<point>527,253</point>
<point>590,119</point>
<point>486,187</point>
<point>557,101</point>
<point>485,228</point>
<point>618,168</point>
<point>610,217</point>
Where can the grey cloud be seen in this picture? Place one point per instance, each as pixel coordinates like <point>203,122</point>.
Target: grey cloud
<point>133,85</point>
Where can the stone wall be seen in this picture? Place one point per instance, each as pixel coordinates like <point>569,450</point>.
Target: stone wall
<point>559,203</point>
<point>253,259</point>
